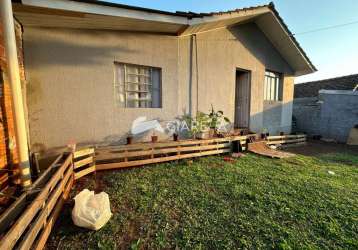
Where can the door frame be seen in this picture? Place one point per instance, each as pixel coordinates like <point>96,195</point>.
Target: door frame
<point>237,69</point>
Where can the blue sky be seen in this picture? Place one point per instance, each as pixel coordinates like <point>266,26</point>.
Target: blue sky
<point>333,51</point>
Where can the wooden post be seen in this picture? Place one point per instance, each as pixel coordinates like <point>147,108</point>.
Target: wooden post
<point>7,20</point>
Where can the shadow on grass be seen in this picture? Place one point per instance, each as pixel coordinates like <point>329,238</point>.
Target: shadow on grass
<point>344,158</point>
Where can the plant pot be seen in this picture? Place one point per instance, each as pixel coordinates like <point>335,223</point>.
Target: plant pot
<point>212,133</point>
<point>263,136</point>
<point>202,135</point>
<point>154,138</point>
<point>175,137</point>
<point>129,140</point>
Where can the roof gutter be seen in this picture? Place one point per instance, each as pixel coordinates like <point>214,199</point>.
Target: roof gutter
<point>110,9</point>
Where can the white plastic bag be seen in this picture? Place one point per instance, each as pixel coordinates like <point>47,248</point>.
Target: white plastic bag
<point>91,210</point>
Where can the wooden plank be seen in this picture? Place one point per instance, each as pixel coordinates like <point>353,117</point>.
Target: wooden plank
<point>12,212</point>
<point>286,141</point>
<point>160,151</point>
<point>40,221</point>
<point>48,172</point>
<point>143,146</point>
<point>9,240</point>
<point>52,200</point>
<point>52,218</point>
<point>262,148</point>
<point>279,137</point>
<point>68,161</point>
<point>293,145</point>
<point>85,172</point>
<point>83,152</point>
<point>157,160</point>
<point>83,162</point>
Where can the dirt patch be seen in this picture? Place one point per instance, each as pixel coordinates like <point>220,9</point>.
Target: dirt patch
<point>100,183</point>
<point>261,148</point>
<point>317,148</point>
<point>94,182</point>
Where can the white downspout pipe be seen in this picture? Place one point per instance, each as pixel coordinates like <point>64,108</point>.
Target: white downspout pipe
<point>7,20</point>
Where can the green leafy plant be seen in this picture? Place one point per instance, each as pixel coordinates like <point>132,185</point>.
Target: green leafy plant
<point>135,244</point>
<point>197,124</point>
<point>216,118</point>
<point>202,122</point>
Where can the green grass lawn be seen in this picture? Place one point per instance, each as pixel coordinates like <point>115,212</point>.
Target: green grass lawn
<point>254,202</point>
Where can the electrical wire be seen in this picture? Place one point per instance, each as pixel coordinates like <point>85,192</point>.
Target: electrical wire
<point>325,28</point>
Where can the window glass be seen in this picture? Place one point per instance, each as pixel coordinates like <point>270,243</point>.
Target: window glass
<point>137,86</point>
<point>272,86</point>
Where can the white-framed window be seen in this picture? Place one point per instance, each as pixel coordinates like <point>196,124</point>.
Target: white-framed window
<point>137,86</point>
<point>273,86</point>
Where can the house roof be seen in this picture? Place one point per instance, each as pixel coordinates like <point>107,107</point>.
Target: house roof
<point>311,89</point>
<point>187,14</point>
<point>91,14</point>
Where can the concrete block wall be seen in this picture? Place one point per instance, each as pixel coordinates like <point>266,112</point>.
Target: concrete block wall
<point>307,112</point>
<point>339,113</point>
<point>332,114</point>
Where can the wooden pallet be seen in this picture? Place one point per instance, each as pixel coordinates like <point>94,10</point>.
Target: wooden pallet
<point>286,139</point>
<point>27,223</point>
<point>149,153</point>
<point>83,162</point>
<point>262,148</point>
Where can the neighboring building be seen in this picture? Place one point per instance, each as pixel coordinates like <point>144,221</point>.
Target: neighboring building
<point>93,67</point>
<point>311,89</point>
<point>328,108</point>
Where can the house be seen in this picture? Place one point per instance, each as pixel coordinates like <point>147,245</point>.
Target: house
<point>327,108</point>
<point>311,89</point>
<point>93,67</point>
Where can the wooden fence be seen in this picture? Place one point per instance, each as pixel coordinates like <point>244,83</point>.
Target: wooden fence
<point>287,140</point>
<point>83,162</point>
<point>27,223</point>
<point>149,153</point>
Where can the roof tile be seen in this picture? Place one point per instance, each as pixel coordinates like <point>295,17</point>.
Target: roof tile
<point>310,89</point>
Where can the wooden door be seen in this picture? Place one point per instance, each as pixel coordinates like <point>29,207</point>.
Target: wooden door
<point>242,99</point>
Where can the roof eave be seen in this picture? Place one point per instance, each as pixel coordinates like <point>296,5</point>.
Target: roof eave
<point>312,68</point>
<point>186,23</point>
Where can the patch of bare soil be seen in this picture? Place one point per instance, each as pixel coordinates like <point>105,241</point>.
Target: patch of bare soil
<point>316,148</point>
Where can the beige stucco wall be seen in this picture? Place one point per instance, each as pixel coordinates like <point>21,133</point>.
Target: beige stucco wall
<point>219,54</point>
<point>70,75</point>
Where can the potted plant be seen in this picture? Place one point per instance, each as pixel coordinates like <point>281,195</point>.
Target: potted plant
<point>197,125</point>
<point>154,137</point>
<point>201,125</point>
<point>215,120</point>
<point>175,137</point>
<point>264,133</point>
<point>129,139</point>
